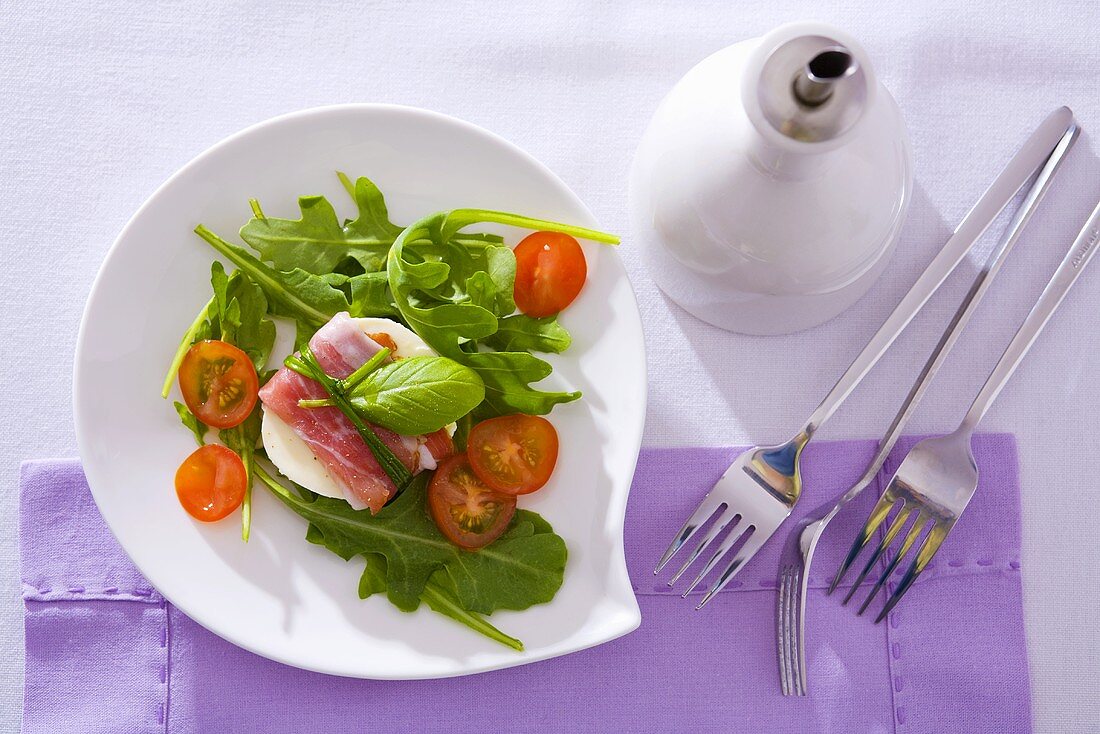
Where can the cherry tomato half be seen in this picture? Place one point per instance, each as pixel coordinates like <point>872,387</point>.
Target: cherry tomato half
<point>470,514</point>
<point>550,271</point>
<point>514,454</point>
<point>219,383</point>
<point>211,482</point>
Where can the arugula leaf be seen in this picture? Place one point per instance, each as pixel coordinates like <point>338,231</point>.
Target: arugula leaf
<point>442,601</point>
<point>507,377</point>
<point>310,300</point>
<point>193,424</point>
<point>434,298</point>
<point>370,296</point>
<point>417,395</point>
<point>240,316</point>
<point>521,333</point>
<point>317,242</point>
<point>520,569</point>
<point>480,583</point>
<point>436,596</point>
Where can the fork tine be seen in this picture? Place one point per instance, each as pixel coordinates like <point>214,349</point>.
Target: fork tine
<point>910,539</point>
<point>791,658</point>
<point>798,631</point>
<point>892,532</point>
<point>878,514</point>
<point>702,513</point>
<point>928,548</point>
<point>720,523</point>
<point>745,553</point>
<point>783,608</point>
<point>723,548</point>
<point>789,621</point>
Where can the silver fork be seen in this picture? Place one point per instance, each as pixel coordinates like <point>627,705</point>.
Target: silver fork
<point>939,476</point>
<point>757,492</point>
<point>798,549</point>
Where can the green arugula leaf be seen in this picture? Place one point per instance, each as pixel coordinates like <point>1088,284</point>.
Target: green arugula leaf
<point>482,584</point>
<point>521,333</point>
<point>240,315</point>
<point>193,424</point>
<point>434,298</point>
<point>309,299</point>
<point>507,377</point>
<point>436,596</point>
<point>370,296</point>
<point>317,242</point>
<point>417,395</point>
<point>520,569</point>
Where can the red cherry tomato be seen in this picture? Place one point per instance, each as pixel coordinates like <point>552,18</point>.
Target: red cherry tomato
<point>219,383</point>
<point>211,483</point>
<point>470,514</point>
<point>550,271</point>
<point>514,454</point>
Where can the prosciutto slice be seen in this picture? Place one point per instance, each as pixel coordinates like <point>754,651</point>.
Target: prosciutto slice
<point>340,347</point>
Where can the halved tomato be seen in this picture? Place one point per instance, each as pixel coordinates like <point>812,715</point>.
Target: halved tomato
<point>514,454</point>
<point>219,383</point>
<point>211,482</point>
<point>550,272</point>
<point>470,514</point>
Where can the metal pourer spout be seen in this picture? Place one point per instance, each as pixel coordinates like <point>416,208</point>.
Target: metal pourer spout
<point>813,86</point>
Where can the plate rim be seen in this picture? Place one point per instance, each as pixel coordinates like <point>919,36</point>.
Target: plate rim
<point>616,507</point>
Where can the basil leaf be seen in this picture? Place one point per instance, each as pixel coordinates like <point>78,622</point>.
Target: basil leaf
<point>417,395</point>
<point>521,333</point>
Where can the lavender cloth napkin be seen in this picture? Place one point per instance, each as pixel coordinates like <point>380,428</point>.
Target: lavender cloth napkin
<point>106,653</point>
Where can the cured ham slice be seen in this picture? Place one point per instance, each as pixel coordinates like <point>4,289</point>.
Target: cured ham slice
<point>340,347</point>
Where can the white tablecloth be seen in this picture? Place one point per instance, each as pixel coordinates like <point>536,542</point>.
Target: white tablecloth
<point>100,105</point>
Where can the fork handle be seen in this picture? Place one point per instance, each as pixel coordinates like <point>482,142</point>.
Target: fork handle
<point>1034,153</point>
<point>1084,247</point>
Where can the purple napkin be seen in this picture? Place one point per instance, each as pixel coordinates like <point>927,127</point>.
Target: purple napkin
<point>106,653</point>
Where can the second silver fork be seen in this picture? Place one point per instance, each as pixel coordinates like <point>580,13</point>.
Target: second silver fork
<point>937,479</point>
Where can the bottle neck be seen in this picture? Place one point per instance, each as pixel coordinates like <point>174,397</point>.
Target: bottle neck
<point>782,163</point>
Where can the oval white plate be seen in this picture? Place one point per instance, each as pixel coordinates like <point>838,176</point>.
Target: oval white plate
<point>278,595</point>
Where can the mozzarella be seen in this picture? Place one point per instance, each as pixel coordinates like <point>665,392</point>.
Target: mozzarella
<point>290,454</point>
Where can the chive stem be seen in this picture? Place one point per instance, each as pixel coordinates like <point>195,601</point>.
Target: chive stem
<point>350,382</point>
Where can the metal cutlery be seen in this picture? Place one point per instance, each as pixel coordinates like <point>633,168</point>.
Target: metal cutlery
<point>757,492</point>
<point>798,549</point>
<point>939,476</point>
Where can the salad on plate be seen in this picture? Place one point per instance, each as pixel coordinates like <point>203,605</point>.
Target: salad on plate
<point>405,426</point>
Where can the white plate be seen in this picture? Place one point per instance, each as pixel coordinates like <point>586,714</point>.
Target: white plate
<point>278,595</point>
